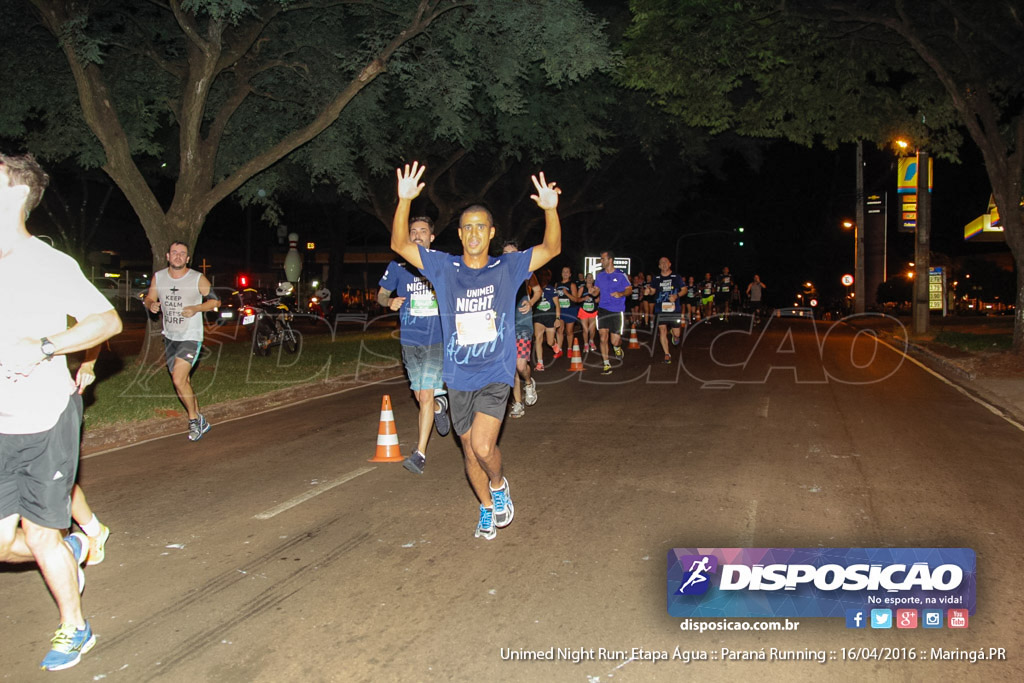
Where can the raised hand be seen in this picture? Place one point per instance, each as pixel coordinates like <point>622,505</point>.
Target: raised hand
<point>409,185</point>
<point>547,193</point>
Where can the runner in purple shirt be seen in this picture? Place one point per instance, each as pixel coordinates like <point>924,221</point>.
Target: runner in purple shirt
<point>613,286</point>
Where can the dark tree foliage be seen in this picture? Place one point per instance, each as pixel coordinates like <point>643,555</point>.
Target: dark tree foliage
<point>831,71</point>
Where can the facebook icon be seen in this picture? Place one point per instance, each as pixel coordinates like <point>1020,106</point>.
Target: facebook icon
<point>855,618</point>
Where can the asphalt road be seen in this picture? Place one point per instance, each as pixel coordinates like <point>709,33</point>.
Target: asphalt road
<point>273,551</point>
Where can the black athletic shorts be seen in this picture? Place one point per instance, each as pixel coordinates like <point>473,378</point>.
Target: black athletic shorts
<point>38,470</point>
<point>614,322</point>
<point>187,350</point>
<point>490,400</point>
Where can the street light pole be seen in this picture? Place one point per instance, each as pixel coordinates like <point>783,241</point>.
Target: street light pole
<point>858,236</point>
<point>858,266</point>
<point>922,245</point>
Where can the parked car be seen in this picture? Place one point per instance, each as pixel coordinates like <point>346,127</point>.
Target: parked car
<point>118,289</point>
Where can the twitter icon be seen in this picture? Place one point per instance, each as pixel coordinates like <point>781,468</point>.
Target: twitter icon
<point>881,618</point>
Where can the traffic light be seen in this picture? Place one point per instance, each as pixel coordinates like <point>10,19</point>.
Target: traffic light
<point>739,236</point>
<point>242,280</point>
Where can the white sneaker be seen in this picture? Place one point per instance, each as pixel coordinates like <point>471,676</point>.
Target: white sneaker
<point>517,410</point>
<point>530,392</point>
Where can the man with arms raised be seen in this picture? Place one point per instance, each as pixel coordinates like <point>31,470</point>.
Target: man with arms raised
<point>40,408</point>
<point>477,297</point>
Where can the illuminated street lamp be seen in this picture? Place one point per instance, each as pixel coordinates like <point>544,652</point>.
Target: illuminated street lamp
<point>858,267</point>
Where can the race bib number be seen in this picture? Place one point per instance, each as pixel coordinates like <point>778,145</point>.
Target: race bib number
<point>668,307</point>
<point>589,306</point>
<point>475,328</point>
<point>564,303</point>
<point>544,305</point>
<point>423,304</point>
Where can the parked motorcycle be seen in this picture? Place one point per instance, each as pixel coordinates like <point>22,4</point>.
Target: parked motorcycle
<point>270,320</point>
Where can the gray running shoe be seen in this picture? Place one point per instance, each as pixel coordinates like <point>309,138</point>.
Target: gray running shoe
<point>197,427</point>
<point>530,392</point>
<point>442,422</point>
<point>415,462</point>
<point>504,511</point>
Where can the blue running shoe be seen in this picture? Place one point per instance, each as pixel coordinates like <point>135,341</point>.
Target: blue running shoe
<point>504,511</point>
<point>79,544</point>
<point>485,529</point>
<point>68,646</point>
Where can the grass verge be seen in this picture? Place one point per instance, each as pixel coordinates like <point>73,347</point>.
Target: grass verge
<point>966,341</point>
<point>126,391</point>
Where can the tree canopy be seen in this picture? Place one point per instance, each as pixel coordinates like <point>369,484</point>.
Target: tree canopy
<point>846,70</point>
<point>232,96</point>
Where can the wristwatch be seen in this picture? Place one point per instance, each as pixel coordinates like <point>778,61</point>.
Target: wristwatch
<point>47,347</point>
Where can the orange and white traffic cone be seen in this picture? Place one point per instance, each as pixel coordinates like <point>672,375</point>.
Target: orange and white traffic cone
<point>575,359</point>
<point>634,343</point>
<point>387,435</point>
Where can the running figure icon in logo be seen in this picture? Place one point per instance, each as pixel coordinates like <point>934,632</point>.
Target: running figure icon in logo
<point>696,581</point>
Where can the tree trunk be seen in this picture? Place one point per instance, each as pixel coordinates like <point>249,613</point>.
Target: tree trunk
<point>1012,218</point>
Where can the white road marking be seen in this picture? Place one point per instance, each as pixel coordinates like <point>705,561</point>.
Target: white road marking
<point>312,493</point>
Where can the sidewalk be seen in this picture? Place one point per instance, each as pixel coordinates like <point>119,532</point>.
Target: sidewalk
<point>995,377</point>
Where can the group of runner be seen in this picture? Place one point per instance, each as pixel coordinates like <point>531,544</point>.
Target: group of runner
<point>664,301</point>
<point>471,323</point>
<point>701,299</point>
<point>468,325</point>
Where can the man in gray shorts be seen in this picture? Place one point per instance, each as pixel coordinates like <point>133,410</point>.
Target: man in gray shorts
<point>420,333</point>
<point>183,295</point>
<point>40,409</point>
<point>476,294</point>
